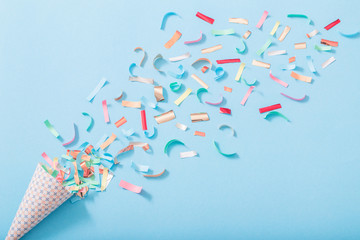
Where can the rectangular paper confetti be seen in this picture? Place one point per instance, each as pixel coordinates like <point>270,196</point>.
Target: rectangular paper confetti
<point>292,59</point>
<point>120,122</point>
<point>173,40</point>
<point>198,133</point>
<point>188,154</point>
<point>328,62</point>
<point>262,19</point>
<point>201,82</point>
<point>181,126</point>
<point>183,96</point>
<point>198,117</point>
<point>300,45</point>
<point>108,141</point>
<point>284,33</point>
<point>247,95</point>
<point>239,20</point>
<point>269,108</point>
<point>300,77</point>
<point>225,110</point>
<point>205,18</point>
<point>130,187</point>
<point>100,85</point>
<point>211,49</point>
<point>246,34</point>
<point>261,64</point>
<point>131,104</point>
<point>227,89</point>
<point>165,117</point>
<point>106,112</point>
<point>240,71</point>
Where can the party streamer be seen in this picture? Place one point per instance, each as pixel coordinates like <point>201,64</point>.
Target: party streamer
<point>224,154</point>
<point>91,121</point>
<point>247,95</point>
<point>264,47</point>
<point>225,110</point>
<point>175,86</point>
<point>72,140</point>
<point>211,49</point>
<point>155,175</point>
<point>201,82</point>
<point>239,72</point>
<point>205,18</point>
<point>216,103</point>
<point>179,58</point>
<point>130,187</point>
<point>142,60</point>
<point>131,69</point>
<point>195,41</point>
<point>106,112</point>
<point>333,24</point>
<point>183,96</point>
<point>51,129</point>
<point>143,120</point>
<point>295,99</point>
<point>199,91</point>
<point>223,32</point>
<point>269,108</point>
<point>177,75</point>
<point>219,71</point>
<point>301,77</point>
<point>172,142</point>
<point>223,61</point>
<point>227,126</point>
<point>243,48</point>
<point>100,85</point>
<point>310,64</point>
<point>262,19</point>
<point>275,113</point>
<point>278,80</point>
<point>142,80</point>
<point>166,16</point>
<point>173,40</point>
<point>299,16</point>
<point>276,26</point>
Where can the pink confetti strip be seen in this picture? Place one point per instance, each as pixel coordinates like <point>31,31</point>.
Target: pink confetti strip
<point>333,24</point>
<point>247,95</point>
<point>69,142</point>
<point>130,187</point>
<point>195,41</point>
<point>47,159</point>
<point>225,110</point>
<point>106,113</point>
<point>278,80</point>
<point>262,19</point>
<point>205,18</point>
<point>217,103</point>
<point>228,61</point>
<point>296,99</point>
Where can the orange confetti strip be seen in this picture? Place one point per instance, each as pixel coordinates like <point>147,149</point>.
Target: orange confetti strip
<point>120,122</point>
<point>198,133</point>
<point>204,69</point>
<point>292,59</point>
<point>155,175</point>
<point>173,40</point>
<point>227,89</point>
<point>329,43</point>
<point>131,104</point>
<point>108,141</point>
<point>300,77</point>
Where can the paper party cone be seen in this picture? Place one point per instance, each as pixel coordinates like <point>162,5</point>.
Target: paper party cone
<point>43,195</point>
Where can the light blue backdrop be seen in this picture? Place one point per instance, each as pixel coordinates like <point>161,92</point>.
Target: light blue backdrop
<point>298,180</point>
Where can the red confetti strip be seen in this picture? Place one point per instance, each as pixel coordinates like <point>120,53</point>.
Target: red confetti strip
<point>329,43</point>
<point>269,108</point>
<point>143,120</point>
<point>205,18</point>
<point>228,61</point>
<point>292,59</point>
<point>204,69</point>
<point>225,110</point>
<point>331,25</point>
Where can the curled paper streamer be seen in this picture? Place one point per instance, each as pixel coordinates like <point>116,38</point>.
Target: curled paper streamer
<point>142,60</point>
<point>239,72</point>
<point>181,126</point>
<point>227,89</point>
<point>130,187</point>
<point>239,20</point>
<point>142,80</point>
<point>188,154</point>
<point>246,34</point>
<point>157,57</point>
<point>275,113</point>
<point>223,61</point>
<point>131,68</point>
<point>175,86</point>
<point>110,140</point>
<point>100,85</point>
<point>158,93</point>
<point>312,33</point>
<point>118,98</point>
<point>264,47</point>
<point>51,129</point>
<point>195,41</point>
<point>276,26</point>
<point>155,175</point>
<point>278,80</point>
<point>166,16</point>
<point>227,126</point>
<point>333,24</point>
<point>278,52</point>
<point>349,35</point>
<point>120,122</point>
<point>300,45</point>
<point>180,75</point>
<point>205,18</point>
<point>204,69</point>
<point>105,110</point>
<point>269,108</point>
<point>131,104</point>
<point>216,103</point>
<point>224,154</point>
<point>165,117</point>
<point>225,110</point>
<point>328,62</point>
<point>144,146</point>
<point>295,99</point>
<point>91,121</point>
<point>72,140</point>
<point>243,47</point>
<point>198,133</point>
<point>322,48</point>
<point>211,49</point>
<point>301,77</point>
<point>139,168</point>
<point>143,120</point>
<point>199,91</point>
<point>201,82</point>
<point>219,71</point>
<point>146,102</point>
<point>198,117</point>
<point>260,64</point>
<point>202,59</point>
<point>173,40</point>
<point>147,135</point>
<point>179,58</point>
<point>262,19</point>
<point>284,33</point>
<point>126,149</point>
<point>249,84</point>
<point>310,64</point>
<point>183,96</point>
<point>329,43</point>
<point>247,95</point>
<point>223,32</point>
<point>299,16</point>
<point>172,142</point>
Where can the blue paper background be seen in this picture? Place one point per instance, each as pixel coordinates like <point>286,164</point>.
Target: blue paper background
<point>298,180</point>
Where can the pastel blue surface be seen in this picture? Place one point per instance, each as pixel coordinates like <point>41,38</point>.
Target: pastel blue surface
<point>297,180</point>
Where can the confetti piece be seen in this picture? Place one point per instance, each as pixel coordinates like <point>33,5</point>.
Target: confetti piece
<point>131,104</point>
<point>295,99</point>
<point>349,35</point>
<point>204,69</point>
<point>150,104</point>
<point>155,175</point>
<point>147,135</point>
<point>108,141</point>
<point>175,86</point>
<point>47,159</point>
<point>239,21</point>
<point>284,33</point>
<point>243,47</point>
<point>300,77</point>
<point>205,18</point>
<point>223,61</point>
<point>179,58</point>
<point>278,52</point>
<point>131,69</point>
<point>331,25</point>
<point>142,60</point>
<point>178,76</point>
<point>262,19</point>
<point>126,149</point>
<point>198,117</point>
<point>224,154</point>
<point>322,48</point>
<point>173,40</point>
<point>199,91</point>
<point>103,181</point>
<point>72,140</point>
<point>201,82</point>
<point>227,89</point>
<point>166,16</point>
<point>275,28</point>
<point>172,142</point>
<point>225,110</point>
<point>275,113</point>
<point>329,43</point>
<point>299,16</point>
<point>181,126</point>
<point>312,33</point>
<point>249,84</point>
<point>239,72</point>
<point>51,129</point>
<point>223,32</point>
<point>202,59</point>
<point>102,139</point>
<point>288,67</point>
<point>118,98</point>
<point>247,95</point>
<point>183,96</point>
<point>300,45</point>
<point>278,80</point>
<point>195,41</point>
<point>156,58</point>
<point>165,117</point>
<point>328,62</point>
<point>143,145</point>
<point>211,49</point>
<point>310,64</point>
<point>260,64</point>
<point>219,71</point>
<point>292,59</point>
<point>158,93</point>
<point>139,168</point>
<point>188,154</point>
<point>143,120</point>
<point>264,47</point>
<point>198,133</point>
<point>130,187</point>
<point>91,121</point>
<point>246,34</point>
<point>216,103</point>
<point>100,85</point>
<point>227,126</point>
<point>142,80</point>
<point>105,110</point>
<point>269,108</point>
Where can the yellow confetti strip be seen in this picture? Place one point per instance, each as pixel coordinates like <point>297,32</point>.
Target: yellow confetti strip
<point>104,178</point>
<point>183,96</point>
<point>273,31</point>
<point>240,71</point>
